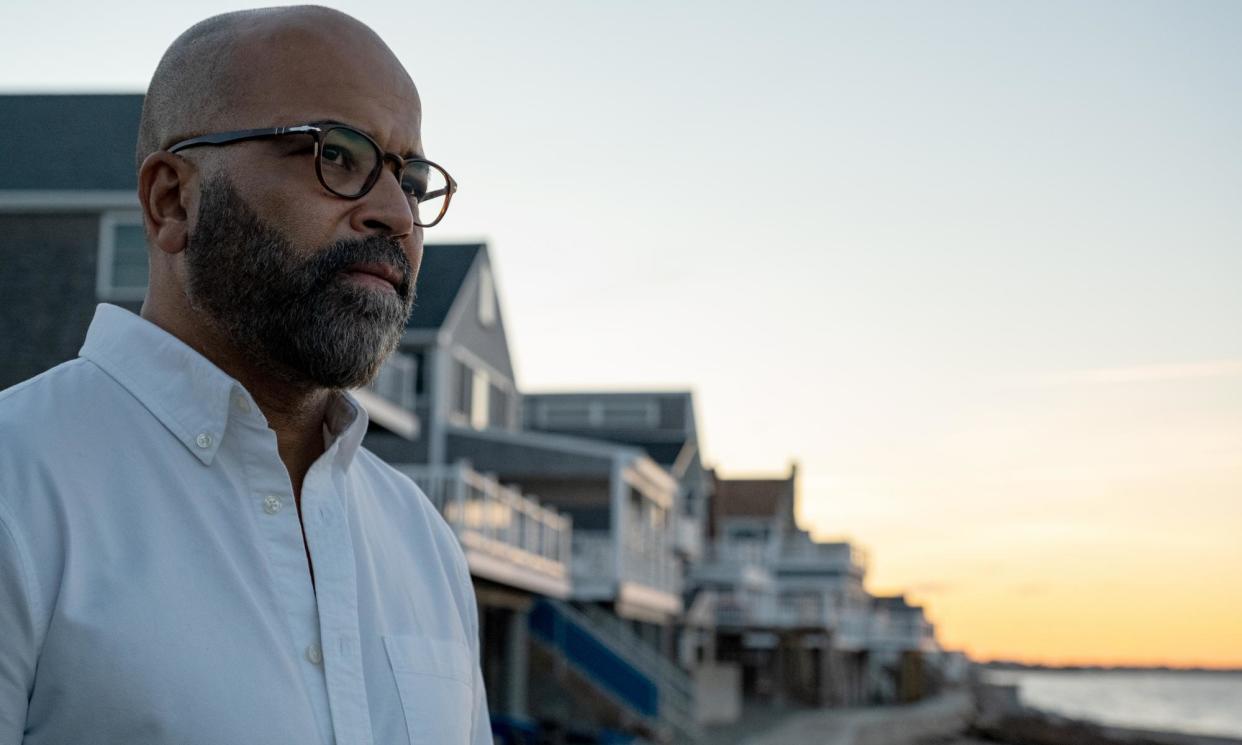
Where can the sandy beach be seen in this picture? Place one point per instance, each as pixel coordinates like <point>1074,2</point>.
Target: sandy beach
<point>937,719</point>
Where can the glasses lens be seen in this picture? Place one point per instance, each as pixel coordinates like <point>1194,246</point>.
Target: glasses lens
<point>347,161</point>
<point>428,187</point>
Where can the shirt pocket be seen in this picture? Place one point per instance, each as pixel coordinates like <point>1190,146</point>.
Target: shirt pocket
<point>435,681</point>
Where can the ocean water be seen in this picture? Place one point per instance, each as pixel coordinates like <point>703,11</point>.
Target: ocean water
<point>1199,703</point>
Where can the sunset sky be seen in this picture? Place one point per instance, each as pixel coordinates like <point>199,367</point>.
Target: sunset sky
<point>976,266</point>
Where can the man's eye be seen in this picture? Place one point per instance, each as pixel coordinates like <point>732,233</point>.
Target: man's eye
<point>414,187</point>
<point>337,156</point>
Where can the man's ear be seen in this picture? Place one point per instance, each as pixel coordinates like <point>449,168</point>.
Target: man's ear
<point>165,191</point>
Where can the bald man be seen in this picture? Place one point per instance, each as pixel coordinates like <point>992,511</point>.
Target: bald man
<point>194,548</point>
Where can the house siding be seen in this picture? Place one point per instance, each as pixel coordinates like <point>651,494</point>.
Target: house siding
<point>48,290</point>
<point>487,343</point>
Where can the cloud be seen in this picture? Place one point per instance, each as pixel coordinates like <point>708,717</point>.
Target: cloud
<point>1139,374</point>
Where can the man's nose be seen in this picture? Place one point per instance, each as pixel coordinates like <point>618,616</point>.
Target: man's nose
<point>386,209</point>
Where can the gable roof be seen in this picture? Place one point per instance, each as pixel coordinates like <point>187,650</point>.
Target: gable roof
<point>69,142</point>
<point>444,269</point>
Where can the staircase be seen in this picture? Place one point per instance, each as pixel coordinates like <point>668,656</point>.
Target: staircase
<point>603,652</point>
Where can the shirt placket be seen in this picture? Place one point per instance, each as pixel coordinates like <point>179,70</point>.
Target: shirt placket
<point>276,511</point>
<point>331,549</point>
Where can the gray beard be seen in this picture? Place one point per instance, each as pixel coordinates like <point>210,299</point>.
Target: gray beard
<point>292,312</point>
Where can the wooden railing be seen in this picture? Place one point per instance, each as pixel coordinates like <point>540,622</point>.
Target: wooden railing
<point>498,519</point>
<point>651,564</point>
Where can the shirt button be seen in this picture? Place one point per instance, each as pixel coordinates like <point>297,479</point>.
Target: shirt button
<point>242,404</point>
<point>272,504</point>
<point>204,440</point>
<point>314,654</point>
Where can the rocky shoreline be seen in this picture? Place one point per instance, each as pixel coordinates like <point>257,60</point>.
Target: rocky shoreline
<point>983,714</point>
<point>1001,718</point>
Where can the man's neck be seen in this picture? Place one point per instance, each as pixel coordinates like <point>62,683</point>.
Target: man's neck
<point>296,415</point>
<point>294,411</point>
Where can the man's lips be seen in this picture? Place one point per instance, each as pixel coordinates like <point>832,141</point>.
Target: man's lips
<point>371,272</point>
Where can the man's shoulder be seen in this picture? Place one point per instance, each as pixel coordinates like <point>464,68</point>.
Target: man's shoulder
<point>399,487</point>
<point>52,378</point>
<point>49,397</point>
<point>381,470</point>
<point>40,420</point>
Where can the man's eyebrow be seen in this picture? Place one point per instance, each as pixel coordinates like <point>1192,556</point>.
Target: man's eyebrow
<point>406,155</point>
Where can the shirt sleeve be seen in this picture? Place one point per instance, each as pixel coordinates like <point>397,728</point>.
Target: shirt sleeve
<point>17,632</point>
<point>481,721</point>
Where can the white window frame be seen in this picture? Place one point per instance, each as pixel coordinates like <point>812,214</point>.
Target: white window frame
<point>480,400</point>
<point>397,374</point>
<point>478,367</point>
<point>487,297</point>
<point>109,221</point>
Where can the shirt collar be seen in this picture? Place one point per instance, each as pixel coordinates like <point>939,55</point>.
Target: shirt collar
<point>344,426</point>
<point>187,393</point>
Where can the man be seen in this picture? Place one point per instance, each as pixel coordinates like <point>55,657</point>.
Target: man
<point>193,546</point>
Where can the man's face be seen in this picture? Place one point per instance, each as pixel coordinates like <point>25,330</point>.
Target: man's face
<point>282,266</point>
<point>293,311</point>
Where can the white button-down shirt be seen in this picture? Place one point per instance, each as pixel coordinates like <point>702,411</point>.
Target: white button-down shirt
<point>154,584</point>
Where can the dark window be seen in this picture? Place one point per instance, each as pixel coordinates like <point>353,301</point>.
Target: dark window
<point>463,390</point>
<point>498,408</point>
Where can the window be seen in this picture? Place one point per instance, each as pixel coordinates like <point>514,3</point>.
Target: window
<point>463,391</point>
<point>122,272</point>
<point>746,533</point>
<point>657,517</point>
<point>498,408</point>
<point>479,401</point>
<point>487,297</point>
<point>420,375</point>
<point>565,414</point>
<point>629,414</point>
<point>597,414</point>
<point>396,378</point>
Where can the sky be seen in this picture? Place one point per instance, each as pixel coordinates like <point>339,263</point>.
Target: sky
<point>973,265</point>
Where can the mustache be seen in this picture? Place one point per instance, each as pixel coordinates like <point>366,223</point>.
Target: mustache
<point>332,261</point>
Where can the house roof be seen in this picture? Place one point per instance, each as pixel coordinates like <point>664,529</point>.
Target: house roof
<point>895,603</point>
<point>750,497</point>
<point>664,441</point>
<point>662,450</point>
<point>444,269</point>
<point>69,142</point>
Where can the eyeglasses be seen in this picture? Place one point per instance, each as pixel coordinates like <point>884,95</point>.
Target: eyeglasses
<point>348,163</point>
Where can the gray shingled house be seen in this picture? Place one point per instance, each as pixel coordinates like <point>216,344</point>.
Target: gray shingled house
<point>70,229</point>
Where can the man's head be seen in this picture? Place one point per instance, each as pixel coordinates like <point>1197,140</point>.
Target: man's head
<point>249,248</point>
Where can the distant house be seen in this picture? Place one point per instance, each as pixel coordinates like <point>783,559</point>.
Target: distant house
<point>793,615</point>
<point>662,424</point>
<point>70,228</point>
